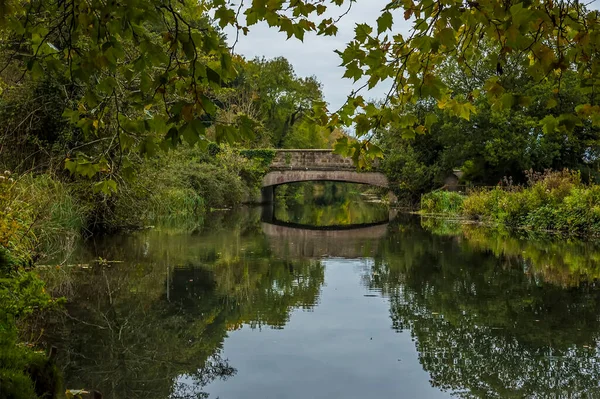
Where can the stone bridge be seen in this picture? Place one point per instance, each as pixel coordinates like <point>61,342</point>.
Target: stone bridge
<point>292,166</point>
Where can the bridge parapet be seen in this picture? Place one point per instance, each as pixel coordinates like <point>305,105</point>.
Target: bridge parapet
<point>310,160</point>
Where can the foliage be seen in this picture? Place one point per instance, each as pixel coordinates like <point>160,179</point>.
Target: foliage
<point>495,142</point>
<point>171,55</point>
<point>33,211</point>
<point>283,102</point>
<point>409,175</point>
<point>264,156</point>
<point>554,201</point>
<point>442,202</point>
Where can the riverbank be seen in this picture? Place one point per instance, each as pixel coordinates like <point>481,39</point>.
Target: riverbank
<point>25,371</point>
<point>553,201</point>
<point>45,214</point>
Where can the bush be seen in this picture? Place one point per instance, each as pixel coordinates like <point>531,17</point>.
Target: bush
<point>217,186</point>
<point>555,201</point>
<point>442,202</point>
<point>57,216</point>
<point>481,204</point>
<point>410,178</point>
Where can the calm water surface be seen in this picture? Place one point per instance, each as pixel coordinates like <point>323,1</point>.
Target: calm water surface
<point>328,301</point>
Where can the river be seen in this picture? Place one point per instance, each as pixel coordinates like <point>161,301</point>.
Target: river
<point>330,299</point>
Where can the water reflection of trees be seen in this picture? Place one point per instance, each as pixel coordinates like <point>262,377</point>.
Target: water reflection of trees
<point>561,261</point>
<point>483,325</point>
<point>328,204</point>
<point>153,326</point>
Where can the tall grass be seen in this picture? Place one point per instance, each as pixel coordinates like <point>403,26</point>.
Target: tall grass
<point>50,211</point>
<point>25,215</point>
<point>442,202</point>
<point>551,201</point>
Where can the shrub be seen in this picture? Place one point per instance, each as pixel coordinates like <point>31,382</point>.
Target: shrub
<point>219,187</point>
<point>442,202</point>
<point>556,201</point>
<point>410,177</point>
<point>481,204</point>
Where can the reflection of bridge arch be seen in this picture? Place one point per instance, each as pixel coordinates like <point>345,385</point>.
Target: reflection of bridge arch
<point>298,241</point>
<point>294,166</point>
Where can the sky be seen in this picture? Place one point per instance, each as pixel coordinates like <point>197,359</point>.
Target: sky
<point>315,56</point>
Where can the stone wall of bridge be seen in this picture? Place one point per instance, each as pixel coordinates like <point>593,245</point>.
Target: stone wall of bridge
<point>278,177</point>
<point>293,166</point>
<point>310,159</point>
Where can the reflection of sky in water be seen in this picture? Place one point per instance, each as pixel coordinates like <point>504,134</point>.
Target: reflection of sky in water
<point>343,348</point>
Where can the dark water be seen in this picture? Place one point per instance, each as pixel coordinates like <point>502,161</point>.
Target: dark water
<point>244,308</point>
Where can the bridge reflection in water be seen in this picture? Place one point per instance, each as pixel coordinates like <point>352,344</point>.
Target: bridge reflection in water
<point>303,241</point>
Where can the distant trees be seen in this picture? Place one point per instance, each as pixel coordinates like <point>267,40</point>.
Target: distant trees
<point>500,139</point>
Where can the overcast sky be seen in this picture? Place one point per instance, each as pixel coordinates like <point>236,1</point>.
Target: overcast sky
<point>315,56</point>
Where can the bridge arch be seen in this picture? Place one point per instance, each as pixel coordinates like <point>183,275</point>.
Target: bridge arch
<point>293,166</point>
<point>275,178</point>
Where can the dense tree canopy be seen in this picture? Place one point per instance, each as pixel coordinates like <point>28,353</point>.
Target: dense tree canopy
<point>496,142</point>
<point>135,67</point>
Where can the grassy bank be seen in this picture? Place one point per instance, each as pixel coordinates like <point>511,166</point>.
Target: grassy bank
<point>179,185</point>
<point>551,201</point>
<point>32,210</point>
<point>44,214</point>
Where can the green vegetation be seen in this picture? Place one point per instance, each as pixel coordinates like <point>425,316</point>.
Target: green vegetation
<point>496,143</point>
<point>96,99</point>
<point>552,201</point>
<point>442,202</point>
<point>25,215</point>
<point>93,136</point>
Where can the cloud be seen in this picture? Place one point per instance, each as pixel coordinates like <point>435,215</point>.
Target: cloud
<point>316,56</point>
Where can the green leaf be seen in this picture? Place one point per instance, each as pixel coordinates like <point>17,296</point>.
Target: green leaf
<point>549,124</point>
<point>362,124</point>
<point>430,119</point>
<point>507,100</point>
<point>193,131</point>
<point>251,18</point>
<point>341,146</point>
<point>551,103</point>
<point>225,133</point>
<point>520,15</point>
<point>107,187</point>
<point>72,115</point>
<point>353,71</point>
<point>384,22</point>
<point>225,16</point>
<point>447,38</point>
<point>246,127</point>
<point>362,32</point>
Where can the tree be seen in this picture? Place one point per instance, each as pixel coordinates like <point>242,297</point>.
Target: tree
<point>496,141</point>
<point>171,64</point>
